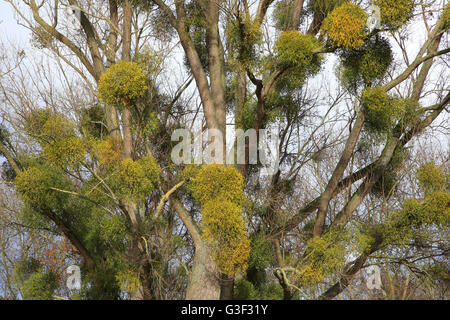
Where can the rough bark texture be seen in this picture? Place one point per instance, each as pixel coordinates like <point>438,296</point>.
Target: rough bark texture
<point>204,277</point>
<point>203,283</point>
<point>226,287</point>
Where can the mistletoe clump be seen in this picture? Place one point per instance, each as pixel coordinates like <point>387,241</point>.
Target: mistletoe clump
<point>345,26</point>
<point>219,190</point>
<point>44,125</point>
<point>431,178</point>
<point>366,65</point>
<point>395,13</point>
<point>136,179</point>
<point>66,152</point>
<point>324,256</point>
<point>298,53</point>
<point>243,35</point>
<point>295,49</point>
<point>446,17</point>
<point>122,84</point>
<point>415,218</point>
<point>382,110</point>
<point>41,186</point>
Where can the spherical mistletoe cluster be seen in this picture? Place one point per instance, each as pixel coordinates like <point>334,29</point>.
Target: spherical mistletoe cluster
<point>345,26</point>
<point>366,65</point>
<point>45,125</point>
<point>57,137</point>
<point>296,50</point>
<point>219,191</point>
<point>37,185</point>
<point>416,217</point>
<point>395,13</point>
<point>66,152</point>
<point>122,84</point>
<point>135,179</point>
<point>431,178</point>
<point>214,181</point>
<point>382,110</point>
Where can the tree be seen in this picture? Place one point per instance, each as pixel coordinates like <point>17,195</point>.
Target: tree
<point>100,172</point>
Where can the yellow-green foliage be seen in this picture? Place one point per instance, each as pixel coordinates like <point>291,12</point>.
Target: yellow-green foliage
<point>446,17</point>
<point>260,254</point>
<point>219,190</point>
<point>152,125</point>
<point>295,49</point>
<point>66,152</point>
<point>128,280</point>
<point>431,178</point>
<point>106,153</point>
<point>243,35</point>
<point>221,215</point>
<point>345,26</point>
<point>382,110</point>
<point>34,184</point>
<point>395,13</point>
<point>39,286</point>
<point>224,229</point>
<point>46,126</point>
<point>136,179</point>
<point>366,65</point>
<point>122,84</point>
<point>324,255</point>
<point>216,181</point>
<point>57,137</point>
<point>414,214</point>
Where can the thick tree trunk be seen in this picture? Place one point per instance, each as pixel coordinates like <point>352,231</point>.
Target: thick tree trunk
<point>204,277</point>
<point>226,287</point>
<point>203,282</point>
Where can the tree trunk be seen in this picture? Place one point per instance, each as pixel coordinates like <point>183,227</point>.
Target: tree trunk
<point>203,282</point>
<point>226,287</point>
<point>204,277</point>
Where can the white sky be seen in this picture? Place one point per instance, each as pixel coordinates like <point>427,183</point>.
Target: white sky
<point>9,28</point>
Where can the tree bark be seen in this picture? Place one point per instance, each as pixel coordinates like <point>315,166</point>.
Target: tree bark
<point>226,287</point>
<point>203,282</point>
<point>204,276</point>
